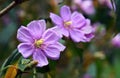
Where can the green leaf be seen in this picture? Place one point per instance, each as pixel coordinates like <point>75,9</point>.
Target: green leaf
<point>10,60</point>
<point>22,63</point>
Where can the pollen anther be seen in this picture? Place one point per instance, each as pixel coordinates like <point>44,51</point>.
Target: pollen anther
<point>68,23</point>
<point>38,43</point>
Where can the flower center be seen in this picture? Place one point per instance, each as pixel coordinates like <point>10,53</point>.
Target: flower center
<point>38,43</point>
<point>67,24</point>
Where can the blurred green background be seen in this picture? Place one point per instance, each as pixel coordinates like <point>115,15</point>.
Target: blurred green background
<point>96,59</point>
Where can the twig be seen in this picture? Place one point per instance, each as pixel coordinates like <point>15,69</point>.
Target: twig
<point>10,6</point>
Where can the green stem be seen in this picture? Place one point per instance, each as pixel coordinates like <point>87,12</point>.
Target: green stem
<point>34,73</point>
<point>6,68</point>
<point>20,76</point>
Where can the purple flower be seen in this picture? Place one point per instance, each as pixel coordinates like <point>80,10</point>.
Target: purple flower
<point>87,76</point>
<point>99,29</point>
<point>6,20</point>
<point>86,6</point>
<point>38,43</point>
<point>116,41</point>
<point>107,3</point>
<point>73,25</point>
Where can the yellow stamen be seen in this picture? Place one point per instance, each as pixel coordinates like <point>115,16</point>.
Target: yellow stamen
<point>38,43</point>
<point>68,23</point>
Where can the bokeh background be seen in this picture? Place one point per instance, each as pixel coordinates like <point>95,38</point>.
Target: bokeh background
<point>95,59</point>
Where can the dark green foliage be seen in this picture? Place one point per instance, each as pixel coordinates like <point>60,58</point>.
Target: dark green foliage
<point>10,60</point>
<point>118,15</point>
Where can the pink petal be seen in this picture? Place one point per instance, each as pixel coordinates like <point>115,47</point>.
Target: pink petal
<point>65,13</point>
<point>56,19</point>
<point>41,58</point>
<point>24,35</point>
<point>78,20</point>
<point>52,52</point>
<point>50,37</point>
<point>76,35</point>
<point>37,28</point>
<point>25,49</point>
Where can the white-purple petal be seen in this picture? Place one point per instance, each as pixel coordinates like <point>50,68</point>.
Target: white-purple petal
<point>37,28</point>
<point>52,52</point>
<point>24,35</point>
<point>86,29</point>
<point>65,13</point>
<point>64,31</point>
<point>25,49</point>
<point>60,46</point>
<point>40,57</point>
<point>50,37</point>
<point>43,24</point>
<point>56,19</point>
<point>77,15</point>
<point>88,7</point>
<point>89,37</point>
<point>57,30</point>
<point>78,20</point>
<point>76,35</point>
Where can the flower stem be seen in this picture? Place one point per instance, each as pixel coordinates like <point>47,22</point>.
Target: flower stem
<point>34,73</point>
<point>20,76</point>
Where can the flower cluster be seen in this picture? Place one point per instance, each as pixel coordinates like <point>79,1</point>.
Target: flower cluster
<point>41,44</point>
